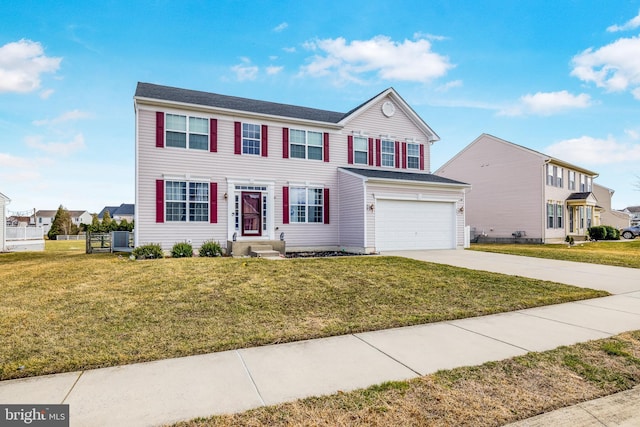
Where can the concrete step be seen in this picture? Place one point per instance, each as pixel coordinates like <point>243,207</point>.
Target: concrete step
<point>265,254</point>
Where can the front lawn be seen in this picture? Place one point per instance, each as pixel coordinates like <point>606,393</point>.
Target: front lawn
<point>63,310</point>
<point>621,254</point>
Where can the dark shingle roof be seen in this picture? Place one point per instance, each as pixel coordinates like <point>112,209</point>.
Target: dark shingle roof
<point>403,176</point>
<point>123,209</point>
<point>167,93</point>
<point>579,196</point>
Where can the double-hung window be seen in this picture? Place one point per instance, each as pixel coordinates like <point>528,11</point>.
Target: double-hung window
<point>550,215</point>
<point>306,204</point>
<point>251,140</point>
<point>572,180</point>
<point>360,150</point>
<point>305,144</point>
<point>413,156</point>
<point>559,222</point>
<point>550,174</point>
<point>187,132</point>
<point>186,201</point>
<point>559,172</point>
<point>388,153</point>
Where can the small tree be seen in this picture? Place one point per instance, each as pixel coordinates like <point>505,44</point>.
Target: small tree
<point>107,222</point>
<point>124,225</point>
<point>62,223</point>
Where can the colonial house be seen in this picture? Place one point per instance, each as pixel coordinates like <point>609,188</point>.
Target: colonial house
<point>118,213</point>
<point>44,218</point>
<point>4,201</point>
<point>246,172</point>
<point>606,214</point>
<point>519,194</point>
<point>634,211</point>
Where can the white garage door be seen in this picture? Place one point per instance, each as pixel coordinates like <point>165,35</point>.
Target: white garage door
<point>409,224</point>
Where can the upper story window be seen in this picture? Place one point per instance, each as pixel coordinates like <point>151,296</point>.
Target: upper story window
<point>413,156</point>
<point>360,150</point>
<point>388,153</point>
<point>186,201</point>
<point>585,183</point>
<point>559,173</point>
<point>554,175</point>
<point>251,139</point>
<point>305,144</point>
<point>187,132</point>
<point>572,180</point>
<point>306,204</point>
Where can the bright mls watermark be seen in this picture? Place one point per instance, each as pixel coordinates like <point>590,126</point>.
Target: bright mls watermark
<point>34,415</point>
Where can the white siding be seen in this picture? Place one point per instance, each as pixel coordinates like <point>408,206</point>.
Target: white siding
<point>352,210</point>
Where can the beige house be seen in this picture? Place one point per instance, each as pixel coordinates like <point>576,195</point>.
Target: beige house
<point>609,216</point>
<point>519,194</point>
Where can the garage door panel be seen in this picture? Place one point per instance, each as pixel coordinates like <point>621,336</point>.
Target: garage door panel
<point>408,224</point>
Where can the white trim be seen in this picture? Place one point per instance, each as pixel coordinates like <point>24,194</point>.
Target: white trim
<point>232,183</point>
<point>185,177</point>
<point>415,198</point>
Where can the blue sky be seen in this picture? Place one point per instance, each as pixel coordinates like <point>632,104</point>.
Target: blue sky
<point>560,77</point>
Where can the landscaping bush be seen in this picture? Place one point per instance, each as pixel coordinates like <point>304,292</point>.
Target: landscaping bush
<point>603,232</point>
<point>211,249</point>
<point>182,250</point>
<point>150,251</point>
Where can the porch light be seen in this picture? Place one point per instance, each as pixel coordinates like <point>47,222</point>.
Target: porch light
<point>282,236</point>
<point>235,236</point>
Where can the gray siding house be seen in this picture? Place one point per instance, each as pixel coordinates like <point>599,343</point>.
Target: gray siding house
<point>242,171</point>
<point>523,195</point>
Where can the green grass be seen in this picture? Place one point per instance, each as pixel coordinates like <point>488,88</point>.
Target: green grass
<point>621,254</point>
<point>63,310</point>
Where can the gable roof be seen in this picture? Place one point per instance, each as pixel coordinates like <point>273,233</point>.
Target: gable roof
<point>225,102</point>
<point>123,209</point>
<point>4,198</point>
<point>542,156</point>
<point>52,214</point>
<point>388,175</point>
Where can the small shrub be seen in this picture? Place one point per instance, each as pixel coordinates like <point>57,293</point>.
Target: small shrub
<point>569,240</point>
<point>603,232</point>
<point>150,251</point>
<point>210,249</point>
<point>182,250</point>
<point>612,233</point>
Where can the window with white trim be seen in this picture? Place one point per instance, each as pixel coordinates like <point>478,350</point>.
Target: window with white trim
<point>186,201</point>
<point>388,153</point>
<point>306,204</point>
<point>550,174</point>
<point>413,156</point>
<point>550,215</point>
<point>251,139</point>
<point>572,180</point>
<point>186,132</point>
<point>559,172</point>
<point>559,209</point>
<point>360,150</point>
<point>305,144</point>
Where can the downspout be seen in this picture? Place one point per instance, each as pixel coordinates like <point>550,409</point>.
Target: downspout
<point>543,182</point>
<point>136,206</point>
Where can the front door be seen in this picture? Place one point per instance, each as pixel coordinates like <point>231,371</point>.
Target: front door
<point>251,214</point>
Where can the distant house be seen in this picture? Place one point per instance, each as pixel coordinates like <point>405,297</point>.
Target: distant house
<point>634,211</point>
<point>609,216</point>
<point>118,213</point>
<point>519,193</point>
<point>250,172</point>
<point>44,218</point>
<point>4,201</point>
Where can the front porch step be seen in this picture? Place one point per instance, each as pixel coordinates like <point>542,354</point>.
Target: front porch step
<point>263,251</point>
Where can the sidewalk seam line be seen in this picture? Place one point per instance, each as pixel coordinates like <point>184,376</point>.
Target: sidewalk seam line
<point>66,396</point>
<point>388,355</point>
<point>617,310</point>
<point>571,324</point>
<point>255,386</point>
<point>487,336</point>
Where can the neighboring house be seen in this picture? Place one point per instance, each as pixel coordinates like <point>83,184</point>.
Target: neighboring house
<point>634,211</point>
<point>242,171</point>
<point>44,218</point>
<point>4,201</point>
<point>519,193</point>
<point>118,213</point>
<point>609,216</point>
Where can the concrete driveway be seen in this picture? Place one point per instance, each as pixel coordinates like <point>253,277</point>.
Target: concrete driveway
<point>616,280</point>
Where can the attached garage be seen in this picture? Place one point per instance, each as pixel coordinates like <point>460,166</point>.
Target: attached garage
<point>414,224</point>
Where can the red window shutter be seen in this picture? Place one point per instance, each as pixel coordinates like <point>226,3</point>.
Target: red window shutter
<point>421,157</point>
<point>326,146</point>
<point>285,205</point>
<point>285,143</point>
<point>265,140</point>
<point>370,151</point>
<point>237,138</point>
<point>350,148</point>
<point>326,206</point>
<point>213,135</point>
<point>213,202</point>
<point>404,155</point>
<point>159,200</point>
<point>378,152</point>
<point>159,129</point>
<point>397,156</point>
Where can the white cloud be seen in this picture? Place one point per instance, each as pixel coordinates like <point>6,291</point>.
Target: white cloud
<point>64,117</point>
<point>593,151</point>
<point>631,24</point>
<point>281,27</point>
<point>449,85</point>
<point>22,63</point>
<point>420,35</point>
<point>614,67</point>
<point>272,70</point>
<point>289,49</point>
<point>547,103</point>
<point>59,148</point>
<point>245,70</point>
<point>633,134</point>
<point>45,94</point>
<point>390,60</point>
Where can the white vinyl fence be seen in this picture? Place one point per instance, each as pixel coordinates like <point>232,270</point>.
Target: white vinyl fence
<point>24,233</point>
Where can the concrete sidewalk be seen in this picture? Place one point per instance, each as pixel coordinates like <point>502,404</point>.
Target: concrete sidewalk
<point>170,390</point>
